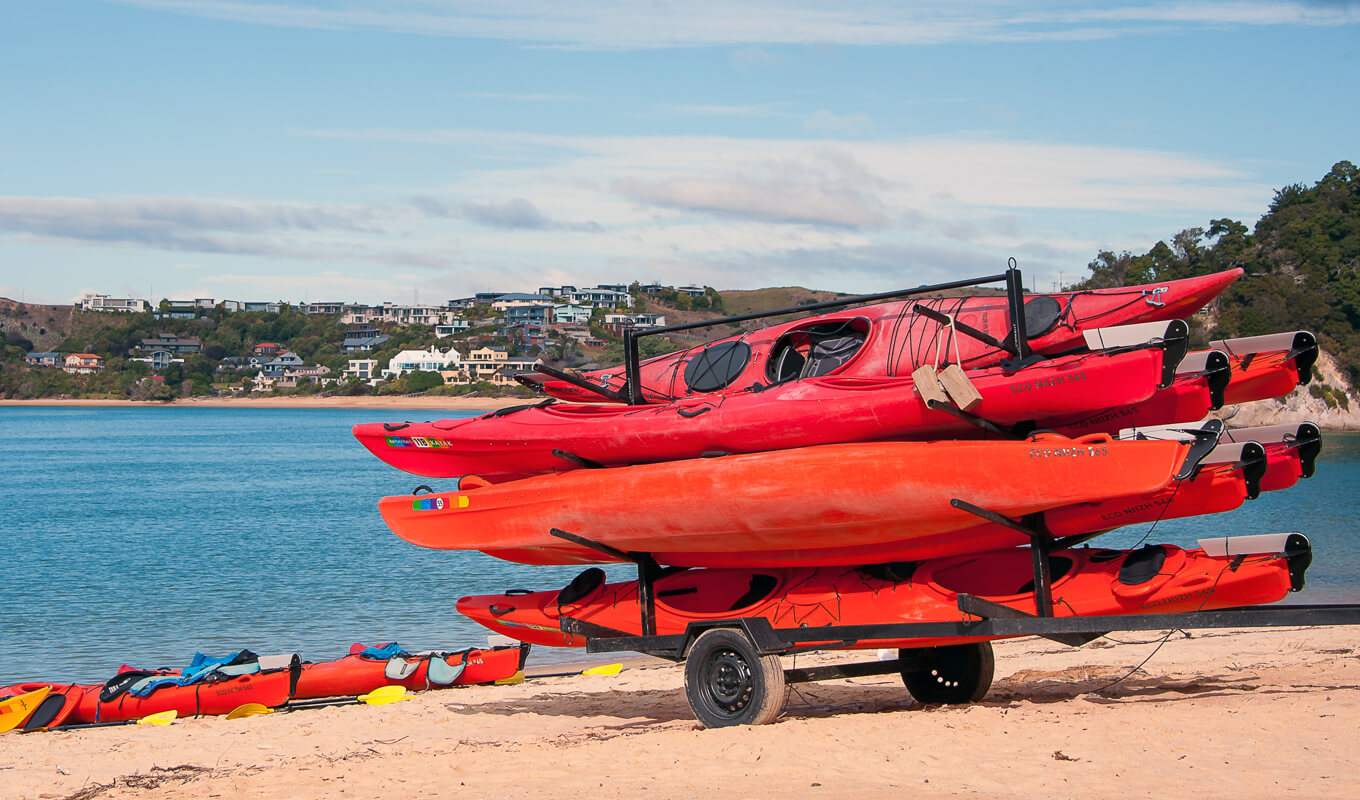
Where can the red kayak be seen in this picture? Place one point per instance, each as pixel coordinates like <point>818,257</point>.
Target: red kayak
<point>1231,371</point>
<point>356,674</point>
<point>113,702</point>
<point>533,440</point>
<point>733,507</point>
<point>1085,582</point>
<point>52,710</point>
<point>1196,390</point>
<point>892,339</point>
<point>1268,366</point>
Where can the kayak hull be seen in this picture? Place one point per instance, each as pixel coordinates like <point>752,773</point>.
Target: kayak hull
<point>842,495</point>
<point>1215,488</point>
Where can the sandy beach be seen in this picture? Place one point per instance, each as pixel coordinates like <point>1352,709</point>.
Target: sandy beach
<point>1242,714</point>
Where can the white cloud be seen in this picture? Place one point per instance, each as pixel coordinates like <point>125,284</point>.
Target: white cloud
<point>730,212</point>
<point>628,24</point>
<point>297,231</point>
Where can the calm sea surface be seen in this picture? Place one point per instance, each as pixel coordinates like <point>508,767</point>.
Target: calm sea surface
<point>142,535</point>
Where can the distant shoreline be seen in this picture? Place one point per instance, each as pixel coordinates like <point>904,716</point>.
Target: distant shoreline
<point>374,402</point>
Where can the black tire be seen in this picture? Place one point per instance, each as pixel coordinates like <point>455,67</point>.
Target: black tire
<point>952,674</point>
<point>728,683</point>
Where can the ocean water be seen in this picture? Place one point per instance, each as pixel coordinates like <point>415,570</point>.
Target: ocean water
<point>143,535</point>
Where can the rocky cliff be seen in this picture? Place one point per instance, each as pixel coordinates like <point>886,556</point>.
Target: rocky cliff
<point>1326,400</point>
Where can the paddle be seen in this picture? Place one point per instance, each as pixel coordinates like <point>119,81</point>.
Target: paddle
<point>520,677</point>
<point>249,710</point>
<point>380,696</point>
<point>161,718</point>
<point>15,710</point>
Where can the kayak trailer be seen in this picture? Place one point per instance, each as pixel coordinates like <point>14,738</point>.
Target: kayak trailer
<point>733,675</point>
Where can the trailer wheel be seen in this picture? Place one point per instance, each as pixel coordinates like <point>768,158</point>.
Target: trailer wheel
<point>728,683</point>
<point>958,673</point>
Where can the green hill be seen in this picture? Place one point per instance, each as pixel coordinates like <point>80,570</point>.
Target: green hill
<point>1302,265</point>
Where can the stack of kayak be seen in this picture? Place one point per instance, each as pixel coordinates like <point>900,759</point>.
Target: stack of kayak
<point>212,686</point>
<point>871,464</point>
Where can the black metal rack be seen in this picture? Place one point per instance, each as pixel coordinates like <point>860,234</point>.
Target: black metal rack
<point>733,673</point>
<point>1016,342</point>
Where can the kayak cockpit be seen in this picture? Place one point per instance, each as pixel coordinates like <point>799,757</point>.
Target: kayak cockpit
<point>816,350</point>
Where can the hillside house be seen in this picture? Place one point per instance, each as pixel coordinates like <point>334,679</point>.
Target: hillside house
<point>102,302</point>
<point>83,363</point>
<point>453,326</point>
<point>617,322</point>
<point>283,362</point>
<point>602,296</point>
<point>362,339</point>
<point>45,359</point>
<point>432,360</point>
<point>171,343</point>
<point>484,362</point>
<point>159,360</point>
<point>322,308</point>
<point>365,369</point>
<point>571,314</point>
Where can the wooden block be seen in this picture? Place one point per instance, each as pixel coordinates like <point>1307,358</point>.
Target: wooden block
<point>928,385</point>
<point>960,389</point>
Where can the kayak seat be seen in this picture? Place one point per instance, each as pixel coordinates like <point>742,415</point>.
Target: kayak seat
<point>815,351</point>
<point>581,587</point>
<point>1142,565</point>
<point>829,353</point>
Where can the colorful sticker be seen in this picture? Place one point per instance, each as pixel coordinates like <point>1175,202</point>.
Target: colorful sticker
<point>423,442</point>
<point>436,503</point>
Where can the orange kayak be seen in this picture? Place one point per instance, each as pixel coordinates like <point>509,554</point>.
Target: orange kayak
<point>831,496</point>
<point>357,673</point>
<point>1219,483</point>
<point>1268,366</point>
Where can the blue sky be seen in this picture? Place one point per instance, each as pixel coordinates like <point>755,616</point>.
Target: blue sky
<point>370,150</point>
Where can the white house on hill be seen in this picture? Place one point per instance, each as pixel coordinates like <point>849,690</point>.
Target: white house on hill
<point>432,360</point>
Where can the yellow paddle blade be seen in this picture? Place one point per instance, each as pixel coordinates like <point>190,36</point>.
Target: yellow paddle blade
<point>15,710</point>
<point>518,677</point>
<point>249,710</point>
<point>607,669</point>
<point>384,695</point>
<point>159,718</point>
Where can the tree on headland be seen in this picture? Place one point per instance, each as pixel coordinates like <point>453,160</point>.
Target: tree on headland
<point>1302,264</point>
